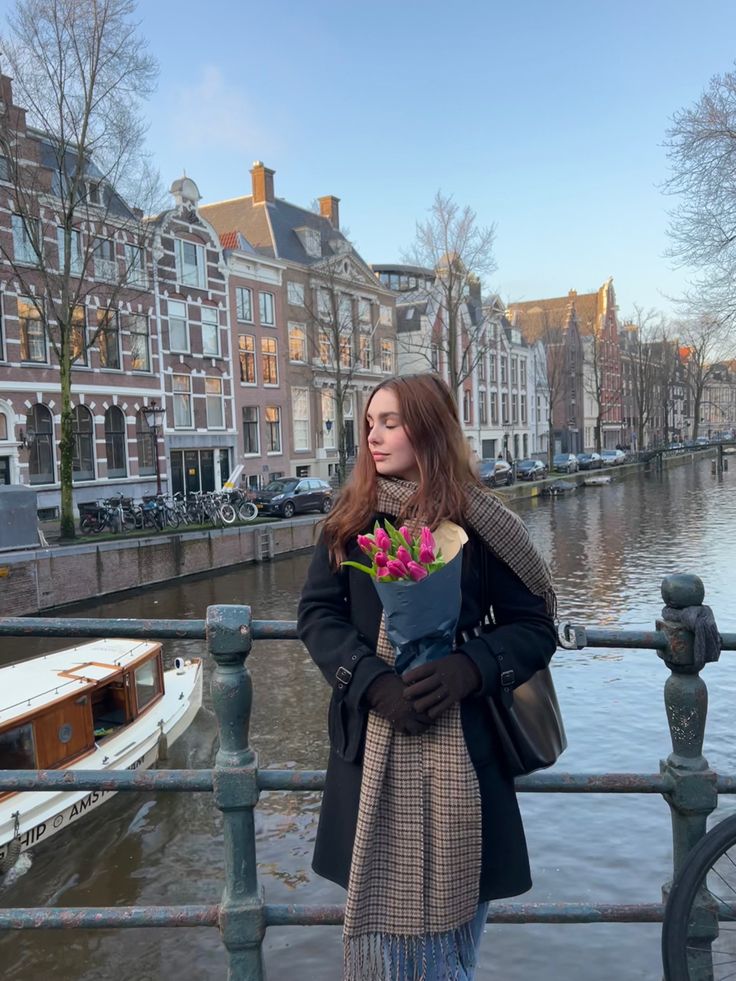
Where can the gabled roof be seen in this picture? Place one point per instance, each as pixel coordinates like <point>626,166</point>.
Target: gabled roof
<point>270,227</point>
<point>535,317</point>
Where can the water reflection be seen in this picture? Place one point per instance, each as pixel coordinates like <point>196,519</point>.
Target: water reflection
<point>609,548</point>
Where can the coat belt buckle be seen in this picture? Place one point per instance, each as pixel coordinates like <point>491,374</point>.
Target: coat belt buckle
<point>343,675</point>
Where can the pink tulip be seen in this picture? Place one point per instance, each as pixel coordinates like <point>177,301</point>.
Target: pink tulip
<point>381,559</point>
<point>405,534</point>
<point>427,538</point>
<point>382,540</point>
<point>416,572</point>
<point>366,543</point>
<point>426,555</point>
<point>403,555</point>
<point>397,568</point>
<point>380,573</point>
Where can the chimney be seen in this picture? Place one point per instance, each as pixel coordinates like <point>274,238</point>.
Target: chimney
<point>262,179</point>
<point>329,207</point>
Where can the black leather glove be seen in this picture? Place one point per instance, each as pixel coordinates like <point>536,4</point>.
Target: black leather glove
<point>434,687</point>
<point>385,696</point>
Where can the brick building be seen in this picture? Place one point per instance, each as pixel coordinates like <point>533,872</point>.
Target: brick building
<point>337,325</point>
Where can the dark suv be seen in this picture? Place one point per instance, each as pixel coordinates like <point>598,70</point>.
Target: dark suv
<point>289,495</point>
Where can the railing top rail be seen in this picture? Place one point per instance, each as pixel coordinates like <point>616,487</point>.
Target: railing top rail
<point>284,630</point>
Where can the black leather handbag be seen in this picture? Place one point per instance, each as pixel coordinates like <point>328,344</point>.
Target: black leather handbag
<point>527,717</point>
<point>528,722</point>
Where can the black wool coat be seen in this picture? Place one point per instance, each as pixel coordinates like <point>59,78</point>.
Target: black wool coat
<point>338,621</point>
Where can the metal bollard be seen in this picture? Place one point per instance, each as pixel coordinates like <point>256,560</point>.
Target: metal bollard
<point>693,796</point>
<point>235,790</point>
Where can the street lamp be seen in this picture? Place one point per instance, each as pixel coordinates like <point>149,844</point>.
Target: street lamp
<point>154,415</point>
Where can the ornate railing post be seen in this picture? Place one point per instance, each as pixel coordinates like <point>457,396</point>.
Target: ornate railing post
<point>235,789</point>
<point>693,795</point>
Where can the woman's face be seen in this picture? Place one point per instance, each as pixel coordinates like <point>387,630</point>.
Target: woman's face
<point>388,441</point>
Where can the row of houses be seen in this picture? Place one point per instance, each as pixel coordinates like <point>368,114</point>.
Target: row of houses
<point>250,332</point>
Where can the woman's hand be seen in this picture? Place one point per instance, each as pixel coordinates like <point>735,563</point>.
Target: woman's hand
<point>386,697</point>
<point>434,687</point>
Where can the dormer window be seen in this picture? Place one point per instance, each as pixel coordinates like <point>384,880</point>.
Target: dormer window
<point>311,240</point>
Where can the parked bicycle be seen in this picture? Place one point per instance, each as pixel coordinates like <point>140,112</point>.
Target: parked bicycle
<point>113,514</point>
<point>698,933</point>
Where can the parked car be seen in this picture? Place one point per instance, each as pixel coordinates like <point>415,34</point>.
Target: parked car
<point>612,458</point>
<point>496,473</point>
<point>565,463</point>
<point>289,495</point>
<point>589,461</point>
<point>531,470</point>
<point>702,441</point>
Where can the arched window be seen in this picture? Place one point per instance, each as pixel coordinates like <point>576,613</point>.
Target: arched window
<point>146,441</point>
<point>3,425</point>
<point>40,433</point>
<point>83,461</point>
<point>115,442</point>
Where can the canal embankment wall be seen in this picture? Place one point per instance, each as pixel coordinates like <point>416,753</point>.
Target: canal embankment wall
<point>43,579</point>
<point>38,580</point>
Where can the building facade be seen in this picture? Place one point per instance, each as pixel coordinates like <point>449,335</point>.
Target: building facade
<point>116,365</point>
<point>338,320</point>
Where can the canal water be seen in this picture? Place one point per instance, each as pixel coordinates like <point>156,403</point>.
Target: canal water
<point>609,548</point>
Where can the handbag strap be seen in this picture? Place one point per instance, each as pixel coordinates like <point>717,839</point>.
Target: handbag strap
<point>506,675</point>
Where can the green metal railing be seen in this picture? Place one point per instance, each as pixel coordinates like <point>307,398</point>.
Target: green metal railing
<point>685,780</point>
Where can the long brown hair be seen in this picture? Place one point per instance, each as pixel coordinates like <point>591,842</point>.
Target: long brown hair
<point>429,415</point>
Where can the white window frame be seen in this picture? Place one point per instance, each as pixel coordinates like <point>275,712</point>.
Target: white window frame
<point>277,423</point>
<point>186,396</point>
<point>301,328</point>
<point>135,264</point>
<point>37,318</point>
<point>23,241</point>
<point>105,267</point>
<point>210,318</point>
<point>386,315</point>
<point>301,423</point>
<point>266,300</point>
<point>135,318</point>
<point>257,451</point>
<point>388,349</point>
<point>254,355</point>
<point>295,293</point>
<point>75,265</point>
<point>108,322</point>
<point>364,312</point>
<point>186,273</point>
<point>241,292</point>
<point>215,403</point>
<point>268,357</point>
<point>365,347</point>
<point>178,305</point>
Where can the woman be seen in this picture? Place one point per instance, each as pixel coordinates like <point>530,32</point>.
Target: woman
<point>419,819</point>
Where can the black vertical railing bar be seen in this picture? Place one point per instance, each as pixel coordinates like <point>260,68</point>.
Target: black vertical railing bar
<point>685,780</point>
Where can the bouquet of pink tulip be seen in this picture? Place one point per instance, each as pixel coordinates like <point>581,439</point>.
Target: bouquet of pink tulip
<point>395,555</point>
<point>418,588</point>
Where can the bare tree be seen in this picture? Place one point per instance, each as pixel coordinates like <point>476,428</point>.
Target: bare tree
<point>641,352</point>
<point>339,340</point>
<point>549,328</point>
<point>701,146</point>
<point>703,342</point>
<point>460,252</point>
<point>80,179</point>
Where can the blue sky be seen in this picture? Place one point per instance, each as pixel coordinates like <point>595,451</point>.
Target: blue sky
<point>547,118</point>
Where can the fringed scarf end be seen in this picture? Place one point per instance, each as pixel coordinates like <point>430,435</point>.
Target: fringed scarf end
<point>390,957</point>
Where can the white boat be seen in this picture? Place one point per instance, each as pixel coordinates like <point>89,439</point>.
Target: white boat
<point>104,705</point>
<point>599,481</point>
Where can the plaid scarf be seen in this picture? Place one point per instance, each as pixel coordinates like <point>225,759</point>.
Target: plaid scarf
<point>415,871</point>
